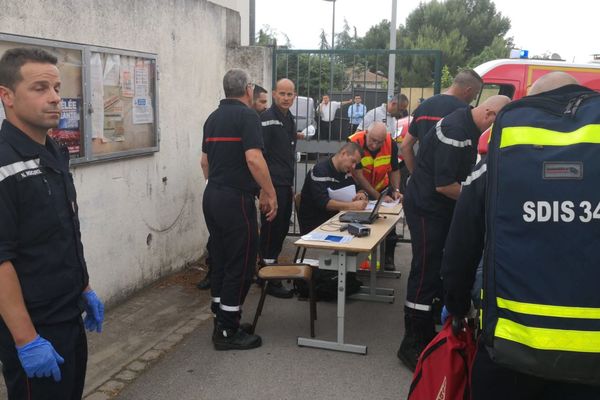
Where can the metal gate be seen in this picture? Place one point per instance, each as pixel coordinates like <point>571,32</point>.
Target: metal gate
<point>343,74</point>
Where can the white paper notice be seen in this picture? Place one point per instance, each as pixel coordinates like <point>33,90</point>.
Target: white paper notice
<point>97,88</point>
<point>112,70</point>
<point>141,79</point>
<point>127,65</point>
<point>344,194</point>
<point>142,110</point>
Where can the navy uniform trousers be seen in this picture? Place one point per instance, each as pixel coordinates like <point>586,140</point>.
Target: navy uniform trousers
<point>231,219</point>
<point>272,234</point>
<point>428,237</point>
<point>69,340</point>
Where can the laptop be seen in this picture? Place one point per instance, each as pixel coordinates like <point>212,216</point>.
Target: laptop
<point>363,217</point>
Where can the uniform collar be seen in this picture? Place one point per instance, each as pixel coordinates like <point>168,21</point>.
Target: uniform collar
<point>229,101</point>
<point>280,115</point>
<point>471,128</point>
<point>28,148</point>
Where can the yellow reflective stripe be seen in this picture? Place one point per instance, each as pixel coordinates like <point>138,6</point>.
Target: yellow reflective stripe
<point>380,185</point>
<point>382,160</point>
<point>518,135</point>
<point>548,339</point>
<point>367,161</point>
<point>546,310</point>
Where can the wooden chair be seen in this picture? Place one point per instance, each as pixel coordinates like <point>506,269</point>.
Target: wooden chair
<point>292,272</point>
<point>297,198</point>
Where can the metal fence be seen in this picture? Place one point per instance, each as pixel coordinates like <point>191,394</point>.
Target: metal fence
<point>343,74</point>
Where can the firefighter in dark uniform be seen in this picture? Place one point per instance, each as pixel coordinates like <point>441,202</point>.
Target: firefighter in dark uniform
<point>43,275</point>
<point>464,89</point>
<point>446,157</point>
<point>233,163</point>
<point>279,134</point>
<point>335,173</point>
<point>463,251</point>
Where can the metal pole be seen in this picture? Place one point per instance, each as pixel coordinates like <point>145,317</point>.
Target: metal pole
<point>392,59</point>
<point>252,22</point>
<point>332,51</point>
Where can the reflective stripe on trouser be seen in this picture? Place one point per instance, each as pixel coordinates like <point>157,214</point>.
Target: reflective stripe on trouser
<point>272,234</point>
<point>428,236</point>
<point>230,217</point>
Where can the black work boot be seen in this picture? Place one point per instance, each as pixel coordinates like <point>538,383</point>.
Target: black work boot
<point>419,331</point>
<point>276,289</point>
<point>246,327</point>
<point>389,258</point>
<point>232,339</point>
<point>204,284</point>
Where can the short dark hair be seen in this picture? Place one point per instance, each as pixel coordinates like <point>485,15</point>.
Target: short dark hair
<point>399,98</point>
<point>351,148</point>
<point>467,77</point>
<point>258,90</point>
<point>235,82</point>
<point>13,59</point>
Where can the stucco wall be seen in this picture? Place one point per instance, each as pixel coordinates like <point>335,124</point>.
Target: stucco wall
<point>123,202</point>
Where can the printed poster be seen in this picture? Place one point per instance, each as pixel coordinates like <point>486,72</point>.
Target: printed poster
<point>127,66</point>
<point>142,110</point>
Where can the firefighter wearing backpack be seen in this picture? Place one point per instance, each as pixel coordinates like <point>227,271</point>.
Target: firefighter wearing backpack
<point>446,157</point>
<point>534,206</point>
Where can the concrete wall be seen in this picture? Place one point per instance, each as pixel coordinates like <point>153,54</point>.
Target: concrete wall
<point>142,217</point>
<point>243,7</point>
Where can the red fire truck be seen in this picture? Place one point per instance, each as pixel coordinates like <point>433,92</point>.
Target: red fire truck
<point>513,77</point>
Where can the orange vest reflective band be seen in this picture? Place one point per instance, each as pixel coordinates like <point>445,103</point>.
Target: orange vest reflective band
<point>375,169</point>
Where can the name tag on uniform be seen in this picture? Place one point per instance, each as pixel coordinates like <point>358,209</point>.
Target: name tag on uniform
<point>28,174</point>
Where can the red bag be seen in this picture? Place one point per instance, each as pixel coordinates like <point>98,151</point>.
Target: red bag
<point>443,369</point>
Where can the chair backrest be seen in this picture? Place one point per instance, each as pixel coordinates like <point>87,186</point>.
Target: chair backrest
<point>297,199</point>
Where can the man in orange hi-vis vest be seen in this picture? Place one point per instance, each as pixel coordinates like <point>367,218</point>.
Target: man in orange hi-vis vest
<point>377,171</point>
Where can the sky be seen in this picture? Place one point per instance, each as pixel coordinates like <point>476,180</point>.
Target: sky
<point>539,26</point>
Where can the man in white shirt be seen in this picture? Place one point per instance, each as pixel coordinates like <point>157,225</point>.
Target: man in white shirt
<point>326,113</point>
<point>388,113</point>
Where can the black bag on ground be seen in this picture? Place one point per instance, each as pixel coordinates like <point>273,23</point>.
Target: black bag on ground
<point>325,282</point>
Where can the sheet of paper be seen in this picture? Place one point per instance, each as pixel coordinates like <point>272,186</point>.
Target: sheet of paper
<point>344,194</point>
<point>112,70</point>
<point>327,237</point>
<point>372,203</point>
<point>127,65</point>
<point>391,203</point>
<point>142,110</point>
<point>97,87</point>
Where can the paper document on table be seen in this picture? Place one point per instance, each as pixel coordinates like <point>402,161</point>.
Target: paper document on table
<point>344,194</point>
<point>372,203</point>
<point>326,237</point>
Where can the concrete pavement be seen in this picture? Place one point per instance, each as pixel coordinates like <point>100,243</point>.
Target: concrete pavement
<point>157,345</point>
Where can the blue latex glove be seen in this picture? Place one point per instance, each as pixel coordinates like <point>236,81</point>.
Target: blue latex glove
<point>39,359</point>
<point>445,315</point>
<point>94,310</point>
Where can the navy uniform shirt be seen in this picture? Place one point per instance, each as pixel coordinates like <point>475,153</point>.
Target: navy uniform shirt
<point>315,195</point>
<point>229,131</point>
<point>447,155</point>
<point>279,134</point>
<point>431,111</point>
<point>39,231</point>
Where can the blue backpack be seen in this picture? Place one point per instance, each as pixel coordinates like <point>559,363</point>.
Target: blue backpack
<point>541,284</point>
